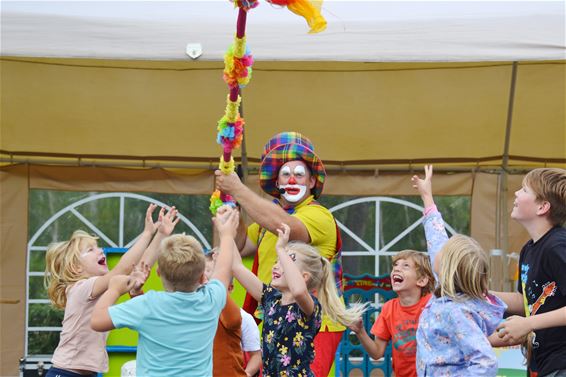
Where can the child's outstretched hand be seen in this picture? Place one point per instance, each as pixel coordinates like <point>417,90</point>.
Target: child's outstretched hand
<point>226,221</point>
<point>357,326</point>
<point>168,221</point>
<point>139,274</point>
<point>283,233</point>
<point>121,283</point>
<point>150,226</point>
<point>424,186</point>
<point>513,329</point>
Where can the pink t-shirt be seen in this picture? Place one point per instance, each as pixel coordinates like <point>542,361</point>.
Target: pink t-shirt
<point>80,347</point>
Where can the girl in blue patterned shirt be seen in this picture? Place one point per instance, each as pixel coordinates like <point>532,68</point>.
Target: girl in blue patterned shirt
<point>452,337</point>
<point>291,311</point>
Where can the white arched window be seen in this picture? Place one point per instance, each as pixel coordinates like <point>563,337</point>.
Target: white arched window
<point>366,238</point>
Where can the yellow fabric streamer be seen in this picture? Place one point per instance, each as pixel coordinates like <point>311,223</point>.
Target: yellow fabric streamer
<point>227,167</point>
<point>310,10</point>
<point>232,109</point>
<point>239,47</point>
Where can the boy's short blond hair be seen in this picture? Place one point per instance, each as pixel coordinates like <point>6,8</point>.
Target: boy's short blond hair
<point>422,266</point>
<point>181,262</point>
<point>549,184</point>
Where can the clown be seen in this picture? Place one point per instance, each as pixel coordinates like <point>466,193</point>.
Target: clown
<point>293,174</point>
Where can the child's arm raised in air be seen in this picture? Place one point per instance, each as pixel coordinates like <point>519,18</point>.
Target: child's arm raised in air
<point>247,279</point>
<point>131,257</point>
<point>294,277</point>
<point>374,348</point>
<point>435,232</point>
<point>226,223</point>
<point>166,225</point>
<point>118,285</point>
<point>135,253</point>
<point>245,246</point>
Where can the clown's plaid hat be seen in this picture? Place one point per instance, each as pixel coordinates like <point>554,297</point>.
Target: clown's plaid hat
<point>285,147</point>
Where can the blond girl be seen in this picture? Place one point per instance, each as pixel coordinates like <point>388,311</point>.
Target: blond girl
<point>452,337</point>
<point>292,313</point>
<point>77,275</point>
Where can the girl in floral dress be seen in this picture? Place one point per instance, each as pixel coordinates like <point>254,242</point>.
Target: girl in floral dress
<point>291,311</point>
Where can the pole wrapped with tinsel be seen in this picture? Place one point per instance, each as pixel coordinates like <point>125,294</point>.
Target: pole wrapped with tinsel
<point>238,73</point>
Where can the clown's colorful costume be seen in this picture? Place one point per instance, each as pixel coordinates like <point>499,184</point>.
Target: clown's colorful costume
<point>319,222</point>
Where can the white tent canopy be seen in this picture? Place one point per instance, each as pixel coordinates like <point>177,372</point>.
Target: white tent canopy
<point>373,31</point>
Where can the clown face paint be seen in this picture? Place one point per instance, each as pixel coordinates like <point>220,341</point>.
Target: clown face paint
<point>299,190</point>
<point>293,184</point>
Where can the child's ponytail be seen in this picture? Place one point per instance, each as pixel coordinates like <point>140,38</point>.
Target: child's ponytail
<point>331,303</point>
<point>322,281</point>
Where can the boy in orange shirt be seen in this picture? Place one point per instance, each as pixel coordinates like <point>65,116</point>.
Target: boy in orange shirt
<point>227,357</point>
<point>413,281</point>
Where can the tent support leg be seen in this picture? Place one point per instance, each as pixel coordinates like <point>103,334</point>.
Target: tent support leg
<point>502,230</point>
<point>244,151</point>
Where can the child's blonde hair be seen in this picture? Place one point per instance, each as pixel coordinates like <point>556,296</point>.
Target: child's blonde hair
<point>422,267</point>
<point>549,184</point>
<point>63,266</point>
<point>181,262</point>
<point>322,281</point>
<point>464,269</point>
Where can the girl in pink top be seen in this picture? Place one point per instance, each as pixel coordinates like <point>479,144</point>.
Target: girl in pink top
<point>77,275</point>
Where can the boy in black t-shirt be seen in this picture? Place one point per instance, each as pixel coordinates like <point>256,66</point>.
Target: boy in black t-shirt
<point>540,206</point>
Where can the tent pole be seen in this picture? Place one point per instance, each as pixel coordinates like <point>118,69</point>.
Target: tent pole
<point>505,162</point>
<point>243,150</point>
<point>503,218</point>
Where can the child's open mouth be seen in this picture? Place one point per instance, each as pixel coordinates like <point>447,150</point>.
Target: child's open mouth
<point>397,279</point>
<point>102,261</point>
<point>275,275</point>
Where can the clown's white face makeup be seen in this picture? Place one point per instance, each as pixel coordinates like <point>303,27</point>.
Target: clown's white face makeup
<point>299,170</point>
<point>296,197</point>
<point>294,178</point>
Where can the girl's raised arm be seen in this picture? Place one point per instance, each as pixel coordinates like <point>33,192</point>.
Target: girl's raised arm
<point>131,257</point>
<point>249,281</point>
<point>294,277</point>
<point>435,231</point>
